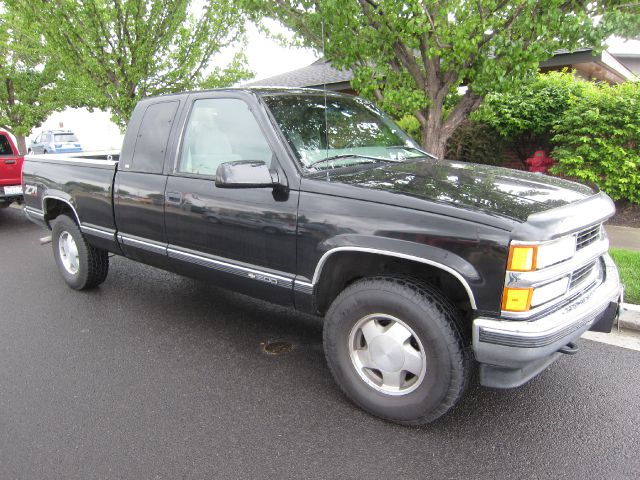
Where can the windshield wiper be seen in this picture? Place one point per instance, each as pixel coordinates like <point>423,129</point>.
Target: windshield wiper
<point>350,155</point>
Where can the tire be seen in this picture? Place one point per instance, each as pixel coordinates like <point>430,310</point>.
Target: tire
<point>81,265</point>
<point>426,355</point>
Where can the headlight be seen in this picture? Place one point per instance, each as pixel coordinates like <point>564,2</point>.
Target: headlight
<point>526,258</point>
<point>548,292</point>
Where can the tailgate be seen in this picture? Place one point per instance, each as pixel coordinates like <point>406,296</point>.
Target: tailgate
<point>10,170</point>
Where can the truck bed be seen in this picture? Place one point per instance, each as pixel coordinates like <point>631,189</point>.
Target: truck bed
<point>83,180</point>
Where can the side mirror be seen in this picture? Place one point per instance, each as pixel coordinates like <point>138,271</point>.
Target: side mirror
<point>245,174</point>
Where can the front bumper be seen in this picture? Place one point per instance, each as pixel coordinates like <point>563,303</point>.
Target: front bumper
<point>512,352</point>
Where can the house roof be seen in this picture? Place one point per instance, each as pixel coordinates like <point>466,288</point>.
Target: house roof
<point>318,74</point>
<point>601,66</point>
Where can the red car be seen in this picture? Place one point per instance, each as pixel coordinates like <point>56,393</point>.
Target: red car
<point>10,171</point>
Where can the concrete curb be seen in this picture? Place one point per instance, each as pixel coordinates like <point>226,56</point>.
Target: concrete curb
<point>630,317</point>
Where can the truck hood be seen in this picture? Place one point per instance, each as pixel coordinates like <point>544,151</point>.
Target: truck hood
<point>499,191</point>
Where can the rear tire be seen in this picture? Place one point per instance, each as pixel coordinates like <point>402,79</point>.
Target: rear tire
<point>398,349</point>
<point>82,265</point>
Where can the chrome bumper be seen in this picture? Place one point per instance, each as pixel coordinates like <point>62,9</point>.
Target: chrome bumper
<point>512,352</point>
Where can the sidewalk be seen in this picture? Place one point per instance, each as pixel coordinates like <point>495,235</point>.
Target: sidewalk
<point>623,237</point>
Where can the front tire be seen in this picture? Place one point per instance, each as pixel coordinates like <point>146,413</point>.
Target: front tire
<point>397,348</point>
<point>82,266</point>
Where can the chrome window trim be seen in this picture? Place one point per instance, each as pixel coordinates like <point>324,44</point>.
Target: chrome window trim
<point>325,257</point>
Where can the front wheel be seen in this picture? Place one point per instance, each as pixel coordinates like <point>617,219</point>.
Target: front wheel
<point>82,266</point>
<point>397,348</point>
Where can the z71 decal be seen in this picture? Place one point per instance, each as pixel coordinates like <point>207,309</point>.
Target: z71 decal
<point>31,190</point>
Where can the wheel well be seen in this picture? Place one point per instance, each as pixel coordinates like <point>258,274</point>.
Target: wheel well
<point>54,207</point>
<point>344,268</point>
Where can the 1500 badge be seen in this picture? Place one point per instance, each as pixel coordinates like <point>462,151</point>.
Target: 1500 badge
<point>263,278</point>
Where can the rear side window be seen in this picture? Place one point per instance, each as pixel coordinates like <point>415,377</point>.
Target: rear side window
<point>5,147</point>
<point>153,137</point>
<point>221,130</point>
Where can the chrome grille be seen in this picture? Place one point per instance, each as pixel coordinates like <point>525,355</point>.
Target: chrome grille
<point>588,236</point>
<point>579,276</point>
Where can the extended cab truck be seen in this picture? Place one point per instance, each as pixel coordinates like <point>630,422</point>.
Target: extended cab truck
<point>421,267</point>
<point>10,171</point>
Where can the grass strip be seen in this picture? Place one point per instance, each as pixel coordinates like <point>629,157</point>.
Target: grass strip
<point>628,262</point>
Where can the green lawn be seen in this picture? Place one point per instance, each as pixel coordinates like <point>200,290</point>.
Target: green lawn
<point>628,263</point>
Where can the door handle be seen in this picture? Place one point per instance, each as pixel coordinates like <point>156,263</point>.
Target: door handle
<point>9,162</point>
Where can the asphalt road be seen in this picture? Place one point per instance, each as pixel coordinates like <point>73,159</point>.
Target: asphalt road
<point>158,376</point>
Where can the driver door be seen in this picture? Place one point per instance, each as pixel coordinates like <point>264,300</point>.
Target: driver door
<point>243,239</point>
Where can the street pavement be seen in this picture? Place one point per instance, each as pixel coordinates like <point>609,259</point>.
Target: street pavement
<point>154,375</point>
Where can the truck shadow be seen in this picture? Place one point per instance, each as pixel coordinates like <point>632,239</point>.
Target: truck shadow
<point>248,324</point>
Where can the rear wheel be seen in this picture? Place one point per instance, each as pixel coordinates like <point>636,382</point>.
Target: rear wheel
<point>397,348</point>
<point>81,265</point>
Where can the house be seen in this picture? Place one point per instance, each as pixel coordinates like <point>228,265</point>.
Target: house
<point>588,65</point>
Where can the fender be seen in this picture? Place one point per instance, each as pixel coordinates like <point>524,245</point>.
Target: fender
<point>62,197</point>
<point>437,257</point>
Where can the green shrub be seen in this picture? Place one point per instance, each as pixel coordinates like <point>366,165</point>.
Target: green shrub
<point>410,125</point>
<point>526,115</point>
<point>598,139</point>
<point>477,143</point>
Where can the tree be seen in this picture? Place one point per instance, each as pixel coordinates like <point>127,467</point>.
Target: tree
<point>413,56</point>
<point>128,49</point>
<point>526,116</point>
<point>30,81</point>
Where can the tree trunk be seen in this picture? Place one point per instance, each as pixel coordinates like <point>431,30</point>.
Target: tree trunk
<point>22,144</point>
<point>434,131</point>
<point>434,141</point>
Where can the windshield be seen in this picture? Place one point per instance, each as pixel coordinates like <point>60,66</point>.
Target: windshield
<point>65,137</point>
<point>347,131</point>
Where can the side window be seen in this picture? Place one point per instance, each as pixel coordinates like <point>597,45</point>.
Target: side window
<point>5,147</point>
<point>221,130</point>
<point>153,137</point>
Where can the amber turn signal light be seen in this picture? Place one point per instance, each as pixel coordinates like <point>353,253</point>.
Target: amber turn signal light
<point>517,299</point>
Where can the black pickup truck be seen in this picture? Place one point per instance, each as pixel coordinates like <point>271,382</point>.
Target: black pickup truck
<point>422,268</point>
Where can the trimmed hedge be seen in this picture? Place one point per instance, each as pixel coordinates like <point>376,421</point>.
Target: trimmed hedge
<point>598,139</point>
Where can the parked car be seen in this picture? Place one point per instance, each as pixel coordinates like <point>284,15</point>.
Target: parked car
<point>10,171</point>
<point>421,267</point>
<point>55,141</point>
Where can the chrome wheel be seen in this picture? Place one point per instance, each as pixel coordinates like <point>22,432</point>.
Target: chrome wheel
<point>68,252</point>
<point>387,354</point>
